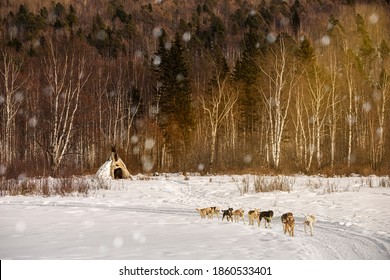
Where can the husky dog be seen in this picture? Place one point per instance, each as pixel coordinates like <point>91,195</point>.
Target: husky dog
<point>237,214</point>
<point>213,211</point>
<point>204,212</point>
<point>288,223</point>
<point>267,215</point>
<point>310,220</point>
<point>253,215</point>
<point>228,214</point>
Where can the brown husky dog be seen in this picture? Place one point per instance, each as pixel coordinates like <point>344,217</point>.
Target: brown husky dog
<point>253,215</point>
<point>214,211</point>
<point>204,212</point>
<point>288,223</point>
<point>237,214</point>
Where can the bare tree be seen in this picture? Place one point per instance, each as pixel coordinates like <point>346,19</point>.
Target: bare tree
<point>66,75</point>
<point>350,117</point>
<point>304,140</point>
<point>382,96</point>
<point>11,97</point>
<point>318,108</point>
<point>217,107</point>
<point>335,110</point>
<point>280,80</point>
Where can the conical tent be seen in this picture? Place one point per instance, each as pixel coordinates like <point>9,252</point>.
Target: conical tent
<point>114,168</point>
<point>118,169</point>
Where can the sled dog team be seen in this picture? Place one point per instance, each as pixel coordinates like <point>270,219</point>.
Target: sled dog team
<point>288,220</point>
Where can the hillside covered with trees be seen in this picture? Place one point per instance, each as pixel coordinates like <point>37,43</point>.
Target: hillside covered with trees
<point>210,86</point>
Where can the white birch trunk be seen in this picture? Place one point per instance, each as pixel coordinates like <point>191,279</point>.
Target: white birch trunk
<point>66,77</point>
<point>281,82</point>
<point>217,107</point>
<point>350,115</point>
<point>12,100</point>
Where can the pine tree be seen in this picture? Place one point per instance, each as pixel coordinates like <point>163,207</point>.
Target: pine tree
<point>305,52</point>
<point>175,112</point>
<point>295,17</point>
<point>366,49</point>
<point>246,72</point>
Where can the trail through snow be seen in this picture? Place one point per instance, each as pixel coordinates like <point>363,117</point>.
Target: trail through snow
<point>156,219</point>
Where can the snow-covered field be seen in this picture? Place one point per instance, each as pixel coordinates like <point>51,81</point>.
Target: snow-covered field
<point>155,218</point>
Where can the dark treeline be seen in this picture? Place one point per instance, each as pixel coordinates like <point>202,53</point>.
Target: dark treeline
<point>209,86</point>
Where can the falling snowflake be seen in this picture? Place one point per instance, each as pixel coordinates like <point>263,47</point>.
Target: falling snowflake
<point>32,122</point>
<point>271,37</point>
<point>285,21</point>
<point>134,139</point>
<point>3,169</point>
<point>379,131</point>
<point>377,96</point>
<point>22,176</point>
<point>367,107</point>
<point>103,249</point>
<point>149,143</point>
<point>157,32</point>
<point>118,242</point>
<point>373,19</point>
<point>157,60</point>
<point>325,40</point>
<point>136,150</point>
<point>139,237</point>
<point>138,54</point>
<point>351,119</point>
<point>179,77</point>
<point>168,45</point>
<point>48,90</point>
<point>19,96</point>
<point>147,164</point>
<point>247,159</point>
<point>20,227</point>
<point>186,36</point>
<point>153,111</point>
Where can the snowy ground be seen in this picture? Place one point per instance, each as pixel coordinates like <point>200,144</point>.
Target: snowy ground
<point>156,219</point>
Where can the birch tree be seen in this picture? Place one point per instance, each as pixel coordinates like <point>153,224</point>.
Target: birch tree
<point>350,116</point>
<point>11,97</point>
<point>66,75</point>
<point>335,110</point>
<point>217,107</point>
<point>317,109</point>
<point>383,98</point>
<point>304,146</point>
<point>280,79</point>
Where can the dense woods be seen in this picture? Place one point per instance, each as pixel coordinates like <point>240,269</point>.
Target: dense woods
<point>207,86</point>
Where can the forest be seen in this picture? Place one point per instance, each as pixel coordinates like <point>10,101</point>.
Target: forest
<point>231,86</point>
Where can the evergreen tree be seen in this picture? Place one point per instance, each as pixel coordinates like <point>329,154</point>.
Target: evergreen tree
<point>295,18</point>
<point>71,18</point>
<point>384,49</point>
<point>366,49</point>
<point>175,112</point>
<point>305,52</point>
<point>246,73</point>
<point>222,67</point>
